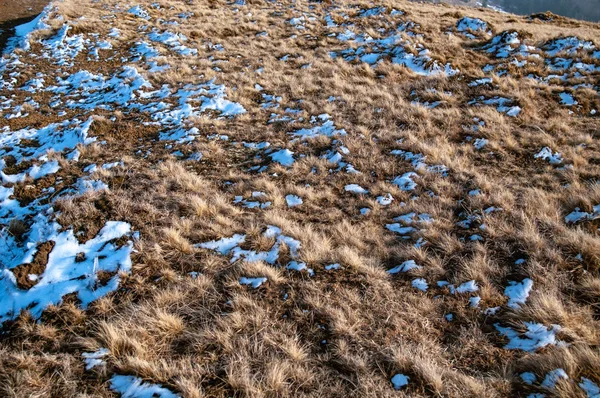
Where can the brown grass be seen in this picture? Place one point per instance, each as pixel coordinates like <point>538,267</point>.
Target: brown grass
<point>183,320</point>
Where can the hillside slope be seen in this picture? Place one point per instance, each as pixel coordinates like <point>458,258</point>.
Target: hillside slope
<point>299,199</point>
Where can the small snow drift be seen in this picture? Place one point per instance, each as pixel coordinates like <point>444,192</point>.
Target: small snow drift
<point>71,268</point>
<point>134,387</point>
<point>535,337</point>
<point>472,27</point>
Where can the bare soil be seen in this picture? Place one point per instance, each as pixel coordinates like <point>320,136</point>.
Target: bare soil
<point>17,12</point>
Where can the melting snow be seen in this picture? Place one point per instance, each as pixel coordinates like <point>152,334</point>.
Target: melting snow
<point>401,50</point>
<point>474,301</point>
<point>546,154</point>
<point>327,129</point>
<point>577,215</point>
<point>569,45</point>
<point>503,105</point>
<point>71,268</point>
<point>528,377</point>
<point>355,188</point>
<point>254,282</point>
<point>299,266</point>
<point>517,292</point>
<point>293,200</point>
<point>591,389</point>
<point>503,44</point>
<point>134,387</point>
<point>93,359</point>
<point>22,32</point>
<point>467,287</point>
<point>283,157</point>
<point>385,200</point>
<point>471,26</point>
<point>224,245</point>
<point>567,99</point>
<point>479,143</point>
<point>399,380</point>
<point>405,181</point>
<point>139,12</point>
<point>554,377</point>
<point>404,267</point>
<point>420,284</point>
<point>372,12</point>
<point>536,336</point>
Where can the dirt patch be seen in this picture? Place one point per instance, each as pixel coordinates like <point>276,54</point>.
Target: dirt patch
<point>16,12</point>
<point>11,10</point>
<point>36,267</point>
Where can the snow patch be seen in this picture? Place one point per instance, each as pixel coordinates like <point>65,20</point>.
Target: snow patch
<point>135,387</point>
<point>517,292</point>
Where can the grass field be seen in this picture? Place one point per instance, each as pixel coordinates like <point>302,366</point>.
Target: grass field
<point>307,199</point>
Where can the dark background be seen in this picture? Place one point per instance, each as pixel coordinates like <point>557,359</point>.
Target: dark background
<point>588,10</point>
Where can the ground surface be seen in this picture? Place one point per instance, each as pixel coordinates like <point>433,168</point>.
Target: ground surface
<point>19,9</point>
<point>299,199</point>
<point>15,12</point>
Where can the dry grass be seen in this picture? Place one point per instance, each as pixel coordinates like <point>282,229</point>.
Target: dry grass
<point>182,319</point>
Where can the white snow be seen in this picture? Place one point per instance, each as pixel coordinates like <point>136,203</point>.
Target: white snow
<point>224,245</point>
<point>578,215</point>
<point>528,377</point>
<point>553,377</point>
<point>567,99</point>
<point>134,387</point>
<point>284,157</point>
<point>385,200</point>
<point>139,12</point>
<point>327,129</point>
<point>355,188</point>
<point>254,282</point>
<point>405,181</point>
<point>420,284</point>
<point>467,287</point>
<point>93,359</point>
<point>517,292</point>
<point>293,200</point>
<point>472,25</point>
<point>536,336</point>
<point>65,273</point>
<point>591,389</point>
<point>546,154</point>
<point>404,267</point>
<point>227,246</point>
<point>399,380</point>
